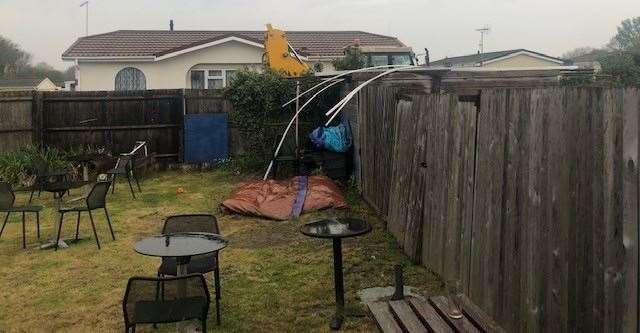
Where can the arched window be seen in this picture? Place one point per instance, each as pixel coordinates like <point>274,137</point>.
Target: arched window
<point>130,79</point>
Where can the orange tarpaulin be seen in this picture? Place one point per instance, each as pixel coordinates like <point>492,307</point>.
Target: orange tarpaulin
<point>275,199</point>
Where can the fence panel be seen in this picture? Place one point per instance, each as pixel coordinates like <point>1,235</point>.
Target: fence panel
<point>537,217</point>
<point>115,120</point>
<point>376,131</point>
<point>16,124</point>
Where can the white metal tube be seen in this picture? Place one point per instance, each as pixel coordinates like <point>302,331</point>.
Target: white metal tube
<point>345,100</point>
<point>338,107</point>
<point>338,76</point>
<point>275,154</point>
<point>297,119</point>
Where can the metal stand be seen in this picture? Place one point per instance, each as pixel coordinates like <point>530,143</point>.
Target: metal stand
<point>336,322</point>
<point>62,243</point>
<point>399,292</point>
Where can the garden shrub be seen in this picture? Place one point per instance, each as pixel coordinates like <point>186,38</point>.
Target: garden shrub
<point>18,166</point>
<point>258,115</point>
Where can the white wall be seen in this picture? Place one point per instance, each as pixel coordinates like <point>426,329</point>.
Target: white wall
<point>521,60</point>
<point>170,73</point>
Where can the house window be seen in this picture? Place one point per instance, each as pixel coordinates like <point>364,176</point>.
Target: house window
<point>130,79</point>
<point>400,59</point>
<point>211,79</point>
<point>197,79</point>
<point>379,60</point>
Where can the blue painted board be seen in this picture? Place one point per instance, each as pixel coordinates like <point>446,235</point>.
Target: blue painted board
<point>206,137</point>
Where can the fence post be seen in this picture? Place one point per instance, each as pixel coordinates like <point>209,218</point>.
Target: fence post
<point>183,108</point>
<point>37,117</point>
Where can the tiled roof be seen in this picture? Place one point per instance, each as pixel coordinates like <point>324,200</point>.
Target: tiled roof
<point>20,82</point>
<point>478,57</point>
<point>129,43</point>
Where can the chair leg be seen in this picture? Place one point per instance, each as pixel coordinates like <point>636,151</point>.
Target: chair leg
<point>131,186</point>
<point>204,324</point>
<point>106,213</point>
<point>216,281</point>
<point>24,233</point>
<point>31,195</point>
<point>113,184</point>
<point>6,218</point>
<point>93,226</point>
<point>38,224</point>
<point>78,226</point>
<point>135,177</point>
<point>55,246</point>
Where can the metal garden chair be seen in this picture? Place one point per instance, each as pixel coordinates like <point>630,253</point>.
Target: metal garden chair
<point>124,167</point>
<point>96,199</point>
<point>199,264</point>
<point>7,201</point>
<point>182,298</point>
<point>287,155</point>
<point>43,174</point>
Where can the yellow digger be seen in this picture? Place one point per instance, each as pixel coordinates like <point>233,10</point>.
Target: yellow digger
<point>280,56</point>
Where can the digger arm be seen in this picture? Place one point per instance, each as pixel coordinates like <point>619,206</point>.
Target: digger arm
<point>280,56</point>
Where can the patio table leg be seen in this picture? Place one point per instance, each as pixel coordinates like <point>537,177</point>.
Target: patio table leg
<point>57,197</point>
<point>336,322</point>
<point>182,264</point>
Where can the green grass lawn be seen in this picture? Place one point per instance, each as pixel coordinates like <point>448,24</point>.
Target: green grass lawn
<point>273,278</point>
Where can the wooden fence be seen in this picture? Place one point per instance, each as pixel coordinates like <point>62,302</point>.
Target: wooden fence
<point>526,198</point>
<point>114,120</point>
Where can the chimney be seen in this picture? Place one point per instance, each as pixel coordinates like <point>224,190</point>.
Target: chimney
<point>426,57</point>
<point>170,25</point>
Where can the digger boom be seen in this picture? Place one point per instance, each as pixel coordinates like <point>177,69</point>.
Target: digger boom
<point>280,56</point>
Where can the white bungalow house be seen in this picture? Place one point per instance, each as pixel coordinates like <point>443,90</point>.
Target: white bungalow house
<point>28,84</point>
<point>168,59</point>
<point>518,59</point>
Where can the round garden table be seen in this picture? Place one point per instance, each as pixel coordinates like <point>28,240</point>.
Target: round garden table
<point>181,246</point>
<point>337,229</point>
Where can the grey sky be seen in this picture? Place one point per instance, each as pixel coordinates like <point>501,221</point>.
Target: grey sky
<point>47,27</point>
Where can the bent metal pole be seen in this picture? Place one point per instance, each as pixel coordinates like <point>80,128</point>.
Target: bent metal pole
<point>339,76</point>
<point>284,135</point>
<point>338,107</point>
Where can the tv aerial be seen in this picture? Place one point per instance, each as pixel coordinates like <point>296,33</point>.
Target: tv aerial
<point>483,31</point>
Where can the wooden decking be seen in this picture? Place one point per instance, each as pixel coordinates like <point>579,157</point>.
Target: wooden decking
<point>414,315</point>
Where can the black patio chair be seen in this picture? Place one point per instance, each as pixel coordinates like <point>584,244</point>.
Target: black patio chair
<point>7,201</point>
<point>96,199</point>
<point>199,264</point>
<point>286,155</point>
<point>124,167</point>
<point>44,174</point>
<point>182,298</point>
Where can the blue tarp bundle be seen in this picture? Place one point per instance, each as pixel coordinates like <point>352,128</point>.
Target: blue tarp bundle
<point>336,138</point>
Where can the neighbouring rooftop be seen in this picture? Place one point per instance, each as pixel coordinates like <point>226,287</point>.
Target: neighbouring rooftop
<point>478,58</point>
<point>140,43</point>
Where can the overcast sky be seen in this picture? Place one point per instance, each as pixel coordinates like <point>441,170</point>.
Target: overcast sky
<point>46,28</point>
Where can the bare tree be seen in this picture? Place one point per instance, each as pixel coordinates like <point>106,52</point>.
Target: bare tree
<point>628,36</point>
<point>579,51</point>
<point>12,57</point>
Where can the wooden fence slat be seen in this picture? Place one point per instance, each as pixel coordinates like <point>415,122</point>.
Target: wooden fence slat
<point>558,211</point>
<point>416,188</point>
<point>400,178</point>
<point>613,213</point>
<point>630,233</point>
<point>509,279</point>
